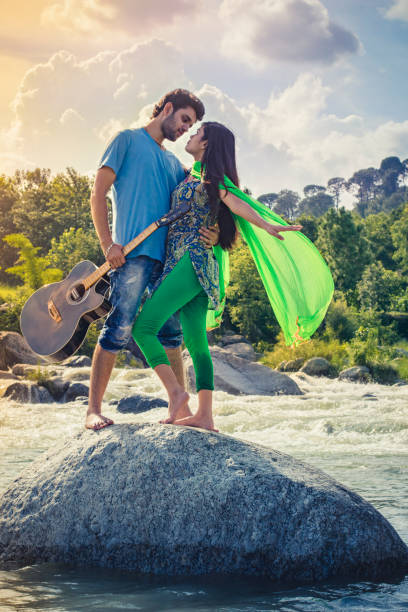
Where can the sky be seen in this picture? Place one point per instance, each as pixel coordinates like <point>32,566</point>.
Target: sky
<point>312,89</point>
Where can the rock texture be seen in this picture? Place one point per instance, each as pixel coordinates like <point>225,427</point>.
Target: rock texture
<point>25,392</point>
<point>14,349</point>
<point>317,366</point>
<point>139,403</point>
<point>356,374</point>
<point>173,500</point>
<point>240,376</point>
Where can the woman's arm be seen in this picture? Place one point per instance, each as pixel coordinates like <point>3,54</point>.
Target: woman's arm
<point>244,210</point>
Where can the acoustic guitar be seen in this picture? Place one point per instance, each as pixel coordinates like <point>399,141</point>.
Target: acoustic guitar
<point>55,319</point>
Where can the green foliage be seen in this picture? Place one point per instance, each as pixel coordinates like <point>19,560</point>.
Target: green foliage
<point>342,244</point>
<point>10,311</point>
<point>39,375</point>
<point>378,286</point>
<point>334,351</point>
<point>399,233</point>
<point>316,204</point>
<point>73,246</point>
<point>248,307</point>
<point>33,270</point>
<point>341,320</point>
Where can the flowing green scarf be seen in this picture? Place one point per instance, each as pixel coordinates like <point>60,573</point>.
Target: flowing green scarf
<point>296,278</point>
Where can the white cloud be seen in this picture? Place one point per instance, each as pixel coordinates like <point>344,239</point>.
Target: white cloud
<point>285,30</point>
<point>132,16</point>
<point>398,10</point>
<point>67,109</point>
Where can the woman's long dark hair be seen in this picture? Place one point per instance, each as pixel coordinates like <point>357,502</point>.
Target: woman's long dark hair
<point>219,161</point>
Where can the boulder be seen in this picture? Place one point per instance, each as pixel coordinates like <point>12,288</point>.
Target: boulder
<point>14,349</point>
<point>240,376</point>
<point>76,390</point>
<point>294,365</point>
<point>356,374</point>
<point>56,386</point>
<point>231,338</point>
<point>77,361</point>
<point>140,403</point>
<point>281,366</point>
<point>25,392</point>
<point>26,370</point>
<point>6,375</point>
<point>160,499</point>
<point>241,349</point>
<point>318,366</point>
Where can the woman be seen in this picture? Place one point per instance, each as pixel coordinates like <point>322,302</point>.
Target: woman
<point>190,278</point>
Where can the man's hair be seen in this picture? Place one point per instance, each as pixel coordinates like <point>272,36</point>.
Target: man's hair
<point>180,98</point>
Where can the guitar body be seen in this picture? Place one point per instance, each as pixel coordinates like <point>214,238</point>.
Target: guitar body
<point>55,319</point>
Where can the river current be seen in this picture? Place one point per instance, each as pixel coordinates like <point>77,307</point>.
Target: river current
<point>356,433</point>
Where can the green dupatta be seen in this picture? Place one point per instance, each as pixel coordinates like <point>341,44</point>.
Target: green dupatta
<point>296,278</point>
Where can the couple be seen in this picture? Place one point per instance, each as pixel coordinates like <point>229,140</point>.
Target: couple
<point>143,177</point>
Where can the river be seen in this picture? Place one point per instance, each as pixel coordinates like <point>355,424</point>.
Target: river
<point>356,433</point>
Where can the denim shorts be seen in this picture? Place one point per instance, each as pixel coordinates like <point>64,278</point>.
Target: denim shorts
<point>128,284</point>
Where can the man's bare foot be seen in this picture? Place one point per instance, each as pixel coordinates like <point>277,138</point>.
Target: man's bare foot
<point>97,421</point>
<point>197,421</point>
<point>178,402</point>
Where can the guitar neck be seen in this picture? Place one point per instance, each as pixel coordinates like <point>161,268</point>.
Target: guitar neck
<point>99,272</point>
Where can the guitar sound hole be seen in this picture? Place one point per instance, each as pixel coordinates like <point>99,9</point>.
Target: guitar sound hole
<point>77,293</point>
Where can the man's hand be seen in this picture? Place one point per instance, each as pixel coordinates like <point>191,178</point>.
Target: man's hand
<point>115,256</point>
<point>210,235</point>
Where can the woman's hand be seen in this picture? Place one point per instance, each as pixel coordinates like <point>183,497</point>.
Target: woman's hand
<point>210,235</point>
<point>274,230</point>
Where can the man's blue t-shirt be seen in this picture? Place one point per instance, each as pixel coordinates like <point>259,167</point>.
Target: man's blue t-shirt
<point>145,178</point>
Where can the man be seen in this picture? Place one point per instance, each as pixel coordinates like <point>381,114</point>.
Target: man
<point>142,175</point>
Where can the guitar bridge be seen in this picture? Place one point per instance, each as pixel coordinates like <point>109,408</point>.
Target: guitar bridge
<point>53,311</point>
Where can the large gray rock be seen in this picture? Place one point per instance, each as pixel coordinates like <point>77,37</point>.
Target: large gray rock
<point>240,376</point>
<point>76,390</point>
<point>77,361</point>
<point>174,500</point>
<point>317,366</point>
<point>14,349</point>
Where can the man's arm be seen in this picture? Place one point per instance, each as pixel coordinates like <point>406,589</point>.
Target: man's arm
<point>103,181</point>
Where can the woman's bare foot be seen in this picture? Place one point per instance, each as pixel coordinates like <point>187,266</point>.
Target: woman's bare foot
<point>178,402</point>
<point>196,420</point>
<point>96,421</point>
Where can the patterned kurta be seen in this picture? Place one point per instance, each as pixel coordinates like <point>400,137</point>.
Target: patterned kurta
<point>183,236</point>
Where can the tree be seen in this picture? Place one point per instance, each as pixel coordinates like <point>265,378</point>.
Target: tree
<point>399,233</point>
<point>364,183</point>
<point>73,246</point>
<point>268,199</point>
<point>34,271</point>
<point>8,198</point>
<point>312,190</point>
<point>286,203</point>
<point>377,230</point>
<point>310,226</point>
<point>70,194</point>
<point>391,169</point>
<point>335,186</point>
<point>316,204</point>
<point>346,250</point>
<point>378,287</point>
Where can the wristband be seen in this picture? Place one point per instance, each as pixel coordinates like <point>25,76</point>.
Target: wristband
<point>108,249</point>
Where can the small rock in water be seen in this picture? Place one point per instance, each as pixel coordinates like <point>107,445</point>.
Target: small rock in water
<point>370,397</point>
<point>140,403</point>
<point>77,361</point>
<point>356,374</point>
<point>76,390</point>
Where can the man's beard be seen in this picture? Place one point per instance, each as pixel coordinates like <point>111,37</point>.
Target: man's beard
<point>169,129</point>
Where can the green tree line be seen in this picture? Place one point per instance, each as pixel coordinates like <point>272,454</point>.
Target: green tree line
<point>46,220</point>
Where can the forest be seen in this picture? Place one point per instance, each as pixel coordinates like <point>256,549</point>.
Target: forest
<point>46,228</point>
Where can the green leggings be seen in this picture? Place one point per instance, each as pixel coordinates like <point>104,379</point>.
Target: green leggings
<point>180,290</point>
